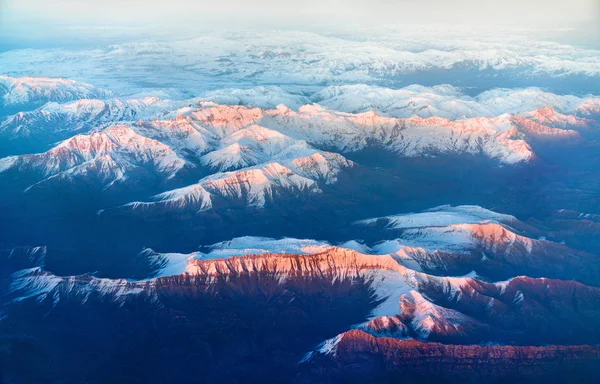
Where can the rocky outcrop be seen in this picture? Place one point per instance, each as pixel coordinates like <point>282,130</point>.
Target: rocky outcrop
<point>363,357</point>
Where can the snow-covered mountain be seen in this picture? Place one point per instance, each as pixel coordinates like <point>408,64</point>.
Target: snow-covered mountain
<point>415,100</point>
<point>409,304</point>
<point>266,162</point>
<point>445,101</point>
<point>503,138</point>
<point>299,60</point>
<point>28,93</point>
<point>316,261</point>
<point>14,259</point>
<point>496,138</point>
<point>464,238</point>
<point>42,285</point>
<point>464,316</point>
<point>254,186</point>
<point>384,357</point>
<point>237,201</point>
<point>36,130</point>
<point>110,156</point>
<point>265,97</point>
<point>590,108</point>
<point>406,137</point>
<point>250,146</point>
<point>403,302</point>
<point>551,118</point>
<point>403,122</point>
<point>443,216</point>
<point>441,241</point>
<point>252,155</point>
<point>81,114</point>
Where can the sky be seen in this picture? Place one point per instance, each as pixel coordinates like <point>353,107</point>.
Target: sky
<point>41,21</point>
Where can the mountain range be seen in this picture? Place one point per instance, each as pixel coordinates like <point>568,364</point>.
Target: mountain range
<point>349,233</point>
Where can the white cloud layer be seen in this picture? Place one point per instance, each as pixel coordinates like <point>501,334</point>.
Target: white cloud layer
<point>301,60</point>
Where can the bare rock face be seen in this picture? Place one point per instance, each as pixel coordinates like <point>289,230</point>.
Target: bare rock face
<point>362,357</point>
<point>577,228</point>
<point>231,319</point>
<point>527,311</point>
<point>242,312</point>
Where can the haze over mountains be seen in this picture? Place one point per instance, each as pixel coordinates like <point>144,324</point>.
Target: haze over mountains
<point>304,61</point>
<point>324,207</point>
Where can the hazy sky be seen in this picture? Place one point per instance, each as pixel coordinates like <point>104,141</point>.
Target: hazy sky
<point>463,11</point>
<point>43,19</point>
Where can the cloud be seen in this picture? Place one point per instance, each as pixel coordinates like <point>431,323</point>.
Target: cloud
<point>391,58</point>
